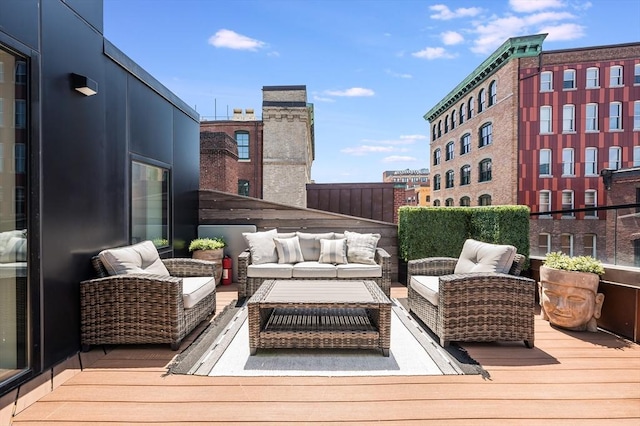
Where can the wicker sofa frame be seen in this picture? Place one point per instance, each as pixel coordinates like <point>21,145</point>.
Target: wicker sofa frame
<point>247,286</point>
<point>475,307</point>
<point>142,308</point>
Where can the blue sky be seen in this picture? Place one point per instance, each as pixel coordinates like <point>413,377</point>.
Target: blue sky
<point>372,68</point>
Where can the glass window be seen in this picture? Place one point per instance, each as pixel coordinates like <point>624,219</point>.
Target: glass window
<point>593,78</point>
<point>590,200</point>
<point>636,156</point>
<point>21,72</point>
<point>465,175</point>
<point>439,128</point>
<point>544,244</point>
<point>465,202</point>
<point>493,93</point>
<point>243,187</point>
<point>569,79</point>
<point>589,245</point>
<point>567,203</point>
<point>546,81</point>
<point>636,115</point>
<point>544,201</point>
<point>436,157</point>
<point>566,244</point>
<point>436,182</point>
<point>446,124</point>
<point>485,170</point>
<point>568,118</point>
<point>615,76</point>
<point>436,203</point>
<point>591,118</point>
<point>636,74</point>
<point>486,134</point>
<point>454,114</point>
<point>21,114</point>
<point>242,139</point>
<point>614,158</point>
<point>484,200</point>
<point>545,119</point>
<point>567,162</point>
<point>463,113</point>
<point>149,202</point>
<point>1,112</point>
<point>20,156</point>
<point>615,116</point>
<point>545,162</point>
<point>470,108</point>
<point>449,153</point>
<point>435,133</point>
<point>591,161</point>
<point>448,202</point>
<point>482,100</point>
<point>449,179</point>
<point>465,144</point>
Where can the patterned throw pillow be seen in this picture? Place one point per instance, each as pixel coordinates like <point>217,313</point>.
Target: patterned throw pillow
<point>361,248</point>
<point>333,251</point>
<point>289,250</point>
<point>261,246</point>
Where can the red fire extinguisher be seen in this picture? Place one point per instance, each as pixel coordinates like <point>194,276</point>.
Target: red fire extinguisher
<point>227,272</point>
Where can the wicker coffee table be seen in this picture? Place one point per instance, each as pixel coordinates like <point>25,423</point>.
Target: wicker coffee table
<point>319,314</point>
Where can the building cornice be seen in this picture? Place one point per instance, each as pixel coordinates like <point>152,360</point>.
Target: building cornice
<point>513,48</point>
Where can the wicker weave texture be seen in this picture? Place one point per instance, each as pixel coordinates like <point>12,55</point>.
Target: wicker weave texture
<point>142,308</point>
<point>476,307</point>
<point>319,325</point>
<point>247,286</point>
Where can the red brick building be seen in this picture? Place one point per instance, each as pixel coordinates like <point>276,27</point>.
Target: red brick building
<point>537,128</point>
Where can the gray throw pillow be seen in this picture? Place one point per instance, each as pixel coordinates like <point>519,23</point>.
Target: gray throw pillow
<point>288,250</point>
<point>261,246</point>
<point>361,248</point>
<point>310,244</point>
<point>333,251</point>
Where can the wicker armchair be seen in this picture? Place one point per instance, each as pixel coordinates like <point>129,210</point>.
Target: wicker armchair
<point>142,308</point>
<point>475,307</point>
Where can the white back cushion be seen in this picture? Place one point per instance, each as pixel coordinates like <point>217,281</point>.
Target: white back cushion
<point>477,256</point>
<point>138,258</point>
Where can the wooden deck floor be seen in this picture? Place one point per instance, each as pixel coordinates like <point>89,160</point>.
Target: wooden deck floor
<point>568,378</point>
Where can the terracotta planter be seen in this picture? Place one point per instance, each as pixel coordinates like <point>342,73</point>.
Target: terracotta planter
<point>215,255</point>
<point>570,299</point>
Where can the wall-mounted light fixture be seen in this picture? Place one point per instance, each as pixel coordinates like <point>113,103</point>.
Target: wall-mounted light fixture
<point>607,178</point>
<point>84,85</point>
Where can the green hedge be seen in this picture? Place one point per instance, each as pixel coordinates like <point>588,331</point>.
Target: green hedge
<point>442,231</point>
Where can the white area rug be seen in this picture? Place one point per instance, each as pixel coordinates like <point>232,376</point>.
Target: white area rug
<point>413,353</point>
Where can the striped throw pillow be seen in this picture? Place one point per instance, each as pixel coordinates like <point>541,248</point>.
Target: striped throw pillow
<point>361,248</point>
<point>333,251</point>
<point>289,250</point>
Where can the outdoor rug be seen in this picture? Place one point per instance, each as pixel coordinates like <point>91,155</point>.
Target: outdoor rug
<point>222,349</point>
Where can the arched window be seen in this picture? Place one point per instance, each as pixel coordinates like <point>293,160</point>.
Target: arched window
<point>439,128</point>
<point>482,100</point>
<point>453,119</point>
<point>465,175</point>
<point>446,124</point>
<point>485,170</point>
<point>484,200</point>
<point>448,202</point>
<point>436,157</point>
<point>470,108</point>
<point>493,93</point>
<point>486,135</point>
<point>465,202</point>
<point>465,144</point>
<point>449,152</point>
<point>449,179</point>
<point>436,183</point>
<point>435,133</point>
<point>463,113</point>
<point>436,203</point>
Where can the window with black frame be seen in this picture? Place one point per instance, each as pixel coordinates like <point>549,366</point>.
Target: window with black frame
<point>150,203</point>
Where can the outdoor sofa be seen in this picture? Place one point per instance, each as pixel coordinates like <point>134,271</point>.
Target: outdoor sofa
<point>312,256</point>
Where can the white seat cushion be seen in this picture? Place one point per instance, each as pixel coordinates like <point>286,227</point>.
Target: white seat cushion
<point>137,258</point>
<point>194,289</point>
<point>477,256</point>
<point>359,270</point>
<point>314,270</point>
<point>270,270</point>
<point>427,287</point>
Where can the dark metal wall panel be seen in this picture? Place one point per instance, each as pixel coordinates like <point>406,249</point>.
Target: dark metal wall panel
<point>368,200</point>
<point>23,25</point>
<point>91,11</point>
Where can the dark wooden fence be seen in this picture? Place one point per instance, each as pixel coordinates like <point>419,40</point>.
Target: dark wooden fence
<point>375,201</point>
<point>221,208</point>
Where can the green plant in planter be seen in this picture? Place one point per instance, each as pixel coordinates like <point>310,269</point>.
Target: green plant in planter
<point>559,260</point>
<point>207,244</point>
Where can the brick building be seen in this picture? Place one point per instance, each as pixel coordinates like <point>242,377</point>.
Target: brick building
<point>415,184</point>
<point>536,128</point>
<point>268,158</point>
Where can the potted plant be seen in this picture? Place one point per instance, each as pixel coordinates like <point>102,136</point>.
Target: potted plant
<point>569,291</point>
<point>209,249</point>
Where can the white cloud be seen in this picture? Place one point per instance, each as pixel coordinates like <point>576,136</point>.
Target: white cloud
<point>451,37</point>
<point>563,32</point>
<point>413,138</point>
<point>398,75</point>
<point>398,159</point>
<point>433,53</point>
<point>527,6</point>
<point>352,92</point>
<point>232,40</point>
<point>322,99</point>
<point>444,13</point>
<point>367,149</point>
